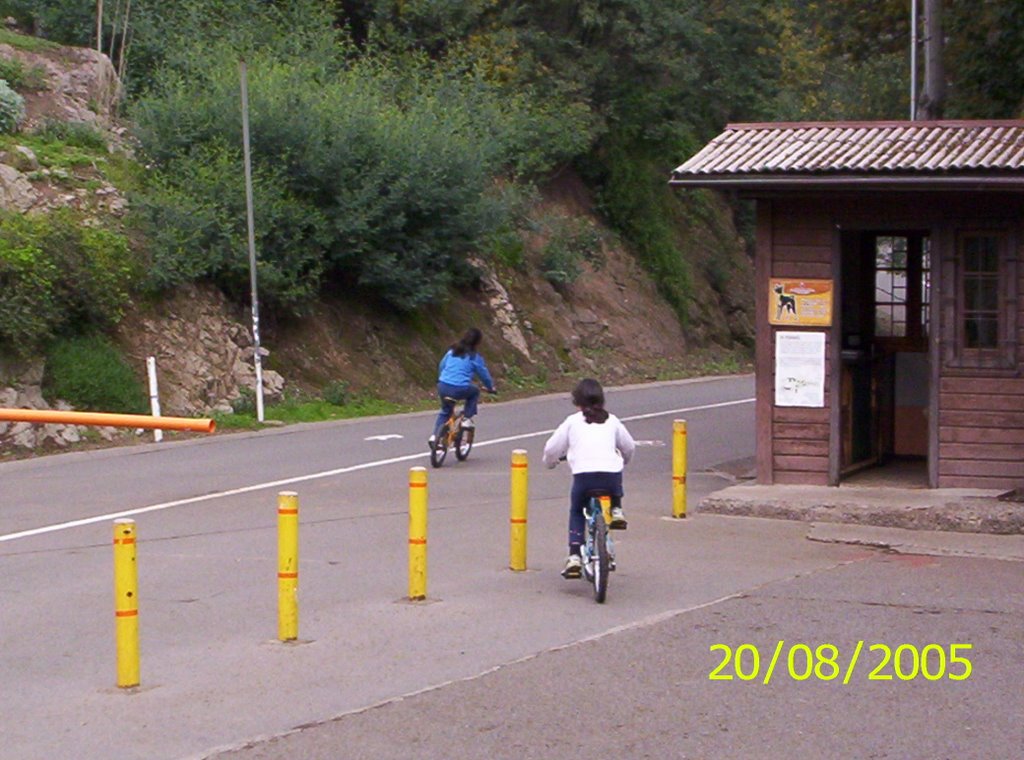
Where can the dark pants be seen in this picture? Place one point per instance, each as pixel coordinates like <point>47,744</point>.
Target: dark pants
<point>468,393</point>
<point>582,482</point>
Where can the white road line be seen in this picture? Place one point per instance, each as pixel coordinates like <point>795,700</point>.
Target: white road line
<point>316,475</point>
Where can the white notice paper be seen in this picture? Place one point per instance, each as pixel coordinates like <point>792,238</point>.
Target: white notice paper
<point>800,369</point>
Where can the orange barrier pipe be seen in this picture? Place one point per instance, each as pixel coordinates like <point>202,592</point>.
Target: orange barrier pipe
<point>103,419</point>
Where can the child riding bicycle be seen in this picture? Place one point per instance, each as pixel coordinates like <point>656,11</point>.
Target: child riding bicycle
<point>597,446</point>
<point>456,370</point>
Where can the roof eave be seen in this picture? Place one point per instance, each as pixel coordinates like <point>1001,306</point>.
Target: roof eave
<point>1013,182</point>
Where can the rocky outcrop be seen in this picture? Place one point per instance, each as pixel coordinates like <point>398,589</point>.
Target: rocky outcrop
<point>204,354</point>
<point>503,312</point>
<point>80,85</point>
<point>16,192</point>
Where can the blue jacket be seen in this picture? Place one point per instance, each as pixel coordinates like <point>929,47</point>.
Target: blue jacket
<point>459,370</point>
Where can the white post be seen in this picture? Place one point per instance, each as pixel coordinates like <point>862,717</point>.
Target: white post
<point>257,359</point>
<point>154,396</point>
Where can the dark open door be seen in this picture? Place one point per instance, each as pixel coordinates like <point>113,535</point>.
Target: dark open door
<point>884,370</point>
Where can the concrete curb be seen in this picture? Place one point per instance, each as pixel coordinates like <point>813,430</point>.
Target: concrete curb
<point>929,542</point>
<point>957,510</point>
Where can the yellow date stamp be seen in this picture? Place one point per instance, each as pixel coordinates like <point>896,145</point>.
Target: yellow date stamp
<point>825,662</point>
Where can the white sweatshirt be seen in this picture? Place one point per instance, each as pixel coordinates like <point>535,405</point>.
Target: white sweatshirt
<point>594,447</point>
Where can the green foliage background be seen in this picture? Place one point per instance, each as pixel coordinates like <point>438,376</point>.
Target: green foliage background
<point>59,276</point>
<point>89,372</point>
<point>391,137</point>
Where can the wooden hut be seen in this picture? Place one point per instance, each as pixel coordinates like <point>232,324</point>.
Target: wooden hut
<point>889,295</point>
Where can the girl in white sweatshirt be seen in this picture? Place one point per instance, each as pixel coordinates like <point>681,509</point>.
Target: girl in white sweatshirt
<point>597,446</point>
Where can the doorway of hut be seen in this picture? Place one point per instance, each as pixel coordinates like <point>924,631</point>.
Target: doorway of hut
<point>884,374</point>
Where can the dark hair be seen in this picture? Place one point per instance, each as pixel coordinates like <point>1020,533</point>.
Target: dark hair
<point>467,343</point>
<point>588,395</point>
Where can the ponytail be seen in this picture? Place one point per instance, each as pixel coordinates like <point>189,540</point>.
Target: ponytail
<point>589,397</point>
<point>467,343</point>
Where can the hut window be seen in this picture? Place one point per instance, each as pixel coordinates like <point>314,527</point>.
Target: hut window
<point>902,286</point>
<point>986,290</point>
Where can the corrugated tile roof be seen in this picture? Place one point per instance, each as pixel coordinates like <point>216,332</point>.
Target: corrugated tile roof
<point>872,148</point>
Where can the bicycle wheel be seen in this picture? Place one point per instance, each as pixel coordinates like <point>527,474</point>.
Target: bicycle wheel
<point>463,443</point>
<point>601,558</point>
<point>440,448</point>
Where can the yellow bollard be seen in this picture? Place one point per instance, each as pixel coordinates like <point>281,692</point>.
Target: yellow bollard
<point>517,512</point>
<point>679,468</point>
<point>417,533</point>
<point>126,604</point>
<point>287,566</point>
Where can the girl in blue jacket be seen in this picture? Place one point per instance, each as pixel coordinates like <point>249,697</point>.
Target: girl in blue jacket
<point>455,375</point>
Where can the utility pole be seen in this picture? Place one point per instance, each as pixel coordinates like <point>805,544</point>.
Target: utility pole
<point>257,359</point>
<point>913,60</point>
<point>99,25</point>
<point>934,96</point>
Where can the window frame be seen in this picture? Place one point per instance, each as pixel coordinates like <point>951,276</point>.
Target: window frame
<point>918,325</point>
<point>1004,355</point>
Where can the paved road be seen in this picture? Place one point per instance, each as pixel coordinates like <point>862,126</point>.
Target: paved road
<point>647,692</point>
<point>213,676</point>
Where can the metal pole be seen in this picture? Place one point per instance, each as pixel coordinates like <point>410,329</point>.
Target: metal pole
<point>257,359</point>
<point>126,604</point>
<point>287,566</point>
<point>913,60</point>
<point>154,396</point>
<point>517,516</point>
<point>679,468</point>
<point>417,533</point>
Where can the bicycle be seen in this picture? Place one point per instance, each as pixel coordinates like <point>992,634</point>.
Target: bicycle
<point>451,435</point>
<point>598,550</point>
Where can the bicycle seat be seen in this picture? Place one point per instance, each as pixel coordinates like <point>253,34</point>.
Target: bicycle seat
<point>452,400</point>
<point>597,493</point>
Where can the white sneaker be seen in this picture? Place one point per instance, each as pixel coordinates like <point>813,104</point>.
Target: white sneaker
<point>618,519</point>
<point>573,567</point>
<point>468,424</point>
<point>432,442</point>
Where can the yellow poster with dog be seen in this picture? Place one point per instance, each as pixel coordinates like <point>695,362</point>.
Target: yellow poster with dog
<point>800,303</point>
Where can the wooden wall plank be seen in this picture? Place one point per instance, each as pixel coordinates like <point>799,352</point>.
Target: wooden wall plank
<point>798,447</point>
<point>804,253</point>
<point>957,481</point>
<point>1013,386</point>
<point>801,464</point>
<point>821,237</point>
<point>982,435</point>
<point>990,469</point>
<point>1010,452</point>
<point>800,270</point>
<point>982,402</point>
<point>800,414</point>
<point>981,420</point>
<point>807,431</point>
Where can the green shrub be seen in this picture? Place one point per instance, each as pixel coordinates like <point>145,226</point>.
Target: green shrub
<point>195,219</point>
<point>12,108</point>
<point>636,200</point>
<point>381,170</point>
<point>56,273</point>
<point>20,78</point>
<point>29,308</point>
<point>337,393</point>
<point>90,373</point>
<point>245,403</point>
<point>24,41</point>
<point>78,134</point>
<point>570,243</point>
